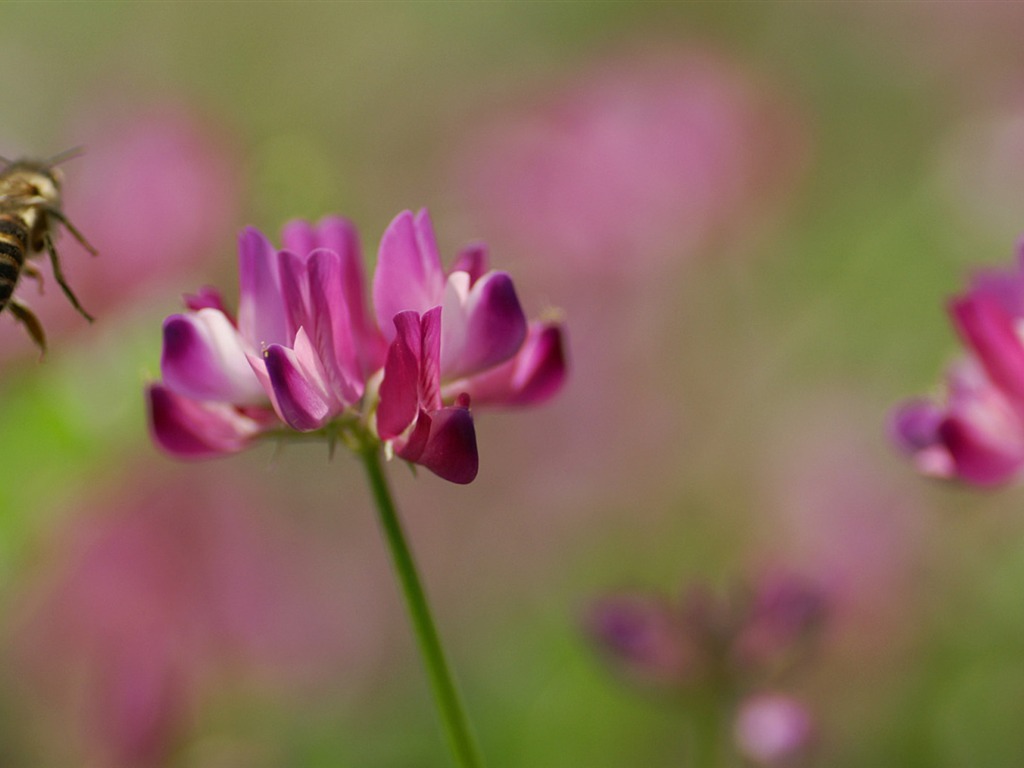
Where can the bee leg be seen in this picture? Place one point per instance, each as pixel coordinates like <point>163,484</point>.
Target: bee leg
<point>26,317</point>
<point>59,277</point>
<point>58,214</point>
<point>30,271</point>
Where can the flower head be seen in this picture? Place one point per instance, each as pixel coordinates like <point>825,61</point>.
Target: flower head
<point>306,353</point>
<point>977,434</point>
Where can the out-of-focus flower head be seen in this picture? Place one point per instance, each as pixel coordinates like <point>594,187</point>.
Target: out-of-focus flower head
<point>772,728</point>
<point>142,609</point>
<point>710,637</point>
<point>305,354</point>
<point>639,161</point>
<point>154,190</point>
<point>977,433</point>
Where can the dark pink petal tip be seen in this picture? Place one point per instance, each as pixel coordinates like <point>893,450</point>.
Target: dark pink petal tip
<point>496,325</point>
<point>302,405</point>
<point>977,459</point>
<point>189,429</point>
<point>207,297</point>
<point>445,443</point>
<point>544,367</point>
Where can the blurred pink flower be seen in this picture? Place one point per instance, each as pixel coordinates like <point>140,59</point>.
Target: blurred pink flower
<point>143,608</point>
<point>977,434</point>
<point>640,161</point>
<point>304,352</point>
<point>772,729</point>
<point>156,191</point>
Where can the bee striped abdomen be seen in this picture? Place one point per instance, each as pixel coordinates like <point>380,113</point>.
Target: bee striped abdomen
<point>13,242</point>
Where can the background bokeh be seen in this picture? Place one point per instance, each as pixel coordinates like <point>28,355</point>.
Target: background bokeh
<point>749,215</point>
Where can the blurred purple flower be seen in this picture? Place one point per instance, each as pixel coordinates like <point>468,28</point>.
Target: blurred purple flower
<point>305,352</point>
<point>772,729</point>
<point>155,189</point>
<point>643,635</point>
<point>645,157</point>
<point>709,637</point>
<point>977,434</point>
<point>784,612</point>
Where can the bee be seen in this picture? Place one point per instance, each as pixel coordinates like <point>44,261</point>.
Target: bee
<point>30,210</point>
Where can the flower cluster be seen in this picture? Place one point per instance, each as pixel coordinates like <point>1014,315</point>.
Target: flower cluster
<point>708,644</point>
<point>306,352</point>
<point>977,434</point>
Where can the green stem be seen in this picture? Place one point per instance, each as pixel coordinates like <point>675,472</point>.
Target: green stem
<point>452,713</point>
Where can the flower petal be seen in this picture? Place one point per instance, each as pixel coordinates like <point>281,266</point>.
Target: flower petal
<point>204,358</point>
<point>207,298</point>
<point>303,405</point>
<point>444,442</point>
<point>333,333</point>
<point>535,374</point>
<point>488,330</point>
<point>408,274</point>
<point>191,429</point>
<point>473,261</point>
<point>979,459</point>
<point>989,329</point>
<point>261,316</point>
<point>399,389</point>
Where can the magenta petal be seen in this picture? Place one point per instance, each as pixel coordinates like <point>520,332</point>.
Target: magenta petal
<point>915,425</point>
<point>408,274</point>
<point>333,334</point>
<point>294,280</point>
<point>449,448</point>
<point>989,329</point>
<point>473,261</point>
<point>207,297</point>
<point>302,404</point>
<point>261,317</point>
<point>399,390</point>
<point>979,460</point>
<point>534,375</point>
<point>191,429</point>
<point>299,236</point>
<point>495,326</point>
<point>430,359</point>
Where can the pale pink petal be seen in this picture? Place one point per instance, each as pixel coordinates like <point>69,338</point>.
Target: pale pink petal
<point>408,274</point>
<point>204,358</point>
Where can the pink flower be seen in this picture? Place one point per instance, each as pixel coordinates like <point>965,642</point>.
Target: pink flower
<point>645,156</point>
<point>977,434</point>
<point>305,352</point>
<point>773,728</point>
<point>140,612</point>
